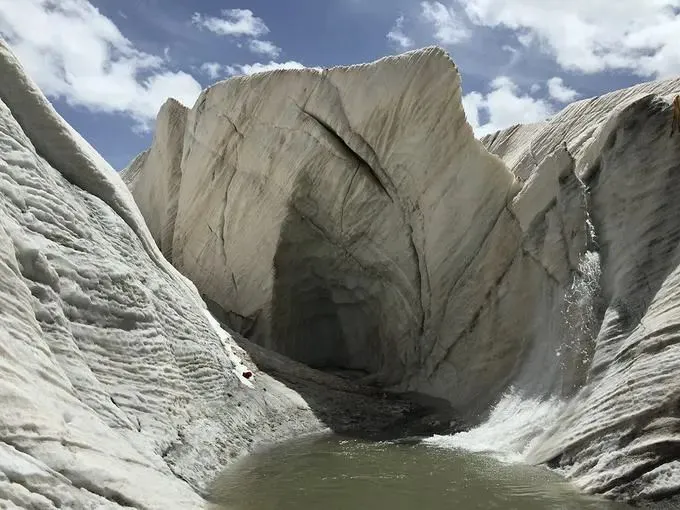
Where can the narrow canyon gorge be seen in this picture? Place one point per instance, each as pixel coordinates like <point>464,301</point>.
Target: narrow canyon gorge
<point>310,250</point>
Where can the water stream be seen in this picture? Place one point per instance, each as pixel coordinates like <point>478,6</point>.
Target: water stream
<point>555,368</point>
<point>332,473</point>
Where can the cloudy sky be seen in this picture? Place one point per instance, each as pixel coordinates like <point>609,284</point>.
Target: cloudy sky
<point>108,65</point>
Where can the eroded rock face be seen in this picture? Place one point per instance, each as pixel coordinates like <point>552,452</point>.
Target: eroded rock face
<point>348,218</point>
<point>161,209</point>
<point>117,388</point>
<point>617,436</point>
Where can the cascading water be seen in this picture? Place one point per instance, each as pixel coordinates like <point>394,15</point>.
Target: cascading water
<point>580,323</point>
<point>553,370</point>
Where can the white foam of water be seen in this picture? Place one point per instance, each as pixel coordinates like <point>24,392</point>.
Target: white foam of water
<point>513,426</point>
<point>527,410</point>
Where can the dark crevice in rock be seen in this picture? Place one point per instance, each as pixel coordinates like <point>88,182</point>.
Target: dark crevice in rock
<point>421,270</point>
<point>223,219</point>
<point>535,259</point>
<point>350,142</point>
<point>109,494</point>
<point>232,124</point>
<point>371,173</point>
<point>344,200</point>
<point>359,143</point>
<point>328,238</point>
<point>309,323</point>
<point>382,178</point>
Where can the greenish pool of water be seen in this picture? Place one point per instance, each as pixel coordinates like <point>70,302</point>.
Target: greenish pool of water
<point>333,473</point>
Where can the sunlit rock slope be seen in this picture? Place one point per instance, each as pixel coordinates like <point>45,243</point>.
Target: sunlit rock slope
<point>117,388</point>
<point>348,218</point>
<point>620,433</point>
<point>368,231</point>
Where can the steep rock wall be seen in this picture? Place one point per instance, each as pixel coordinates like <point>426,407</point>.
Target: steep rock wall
<point>117,388</point>
<point>618,436</point>
<point>423,302</point>
<point>160,209</point>
<point>349,218</point>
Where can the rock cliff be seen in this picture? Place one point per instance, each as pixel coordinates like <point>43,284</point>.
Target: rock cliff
<point>348,218</point>
<point>617,436</point>
<point>117,387</point>
<point>356,231</point>
<point>368,231</point>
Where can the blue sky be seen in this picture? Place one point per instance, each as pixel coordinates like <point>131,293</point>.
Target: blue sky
<point>108,65</point>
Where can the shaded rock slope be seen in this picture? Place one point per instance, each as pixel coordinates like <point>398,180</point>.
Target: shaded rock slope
<point>118,388</point>
<point>348,219</point>
<point>340,229</point>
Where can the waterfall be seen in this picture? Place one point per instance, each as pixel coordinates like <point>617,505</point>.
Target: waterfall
<point>580,323</point>
<point>555,367</point>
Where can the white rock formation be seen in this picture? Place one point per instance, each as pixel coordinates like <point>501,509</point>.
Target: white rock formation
<point>349,218</point>
<point>117,388</point>
<point>339,227</point>
<point>618,435</point>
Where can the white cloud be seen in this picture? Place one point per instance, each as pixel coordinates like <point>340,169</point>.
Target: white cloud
<point>592,35</point>
<point>472,102</point>
<point>264,48</point>
<point>448,24</point>
<point>397,35</point>
<point>77,54</point>
<point>212,69</point>
<point>559,91</point>
<point>240,23</point>
<point>505,106</point>
<point>234,70</point>
<point>234,22</point>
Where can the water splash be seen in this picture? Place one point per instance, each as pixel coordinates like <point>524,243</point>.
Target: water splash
<point>554,369</point>
<point>511,430</point>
